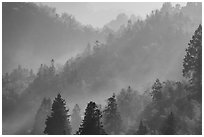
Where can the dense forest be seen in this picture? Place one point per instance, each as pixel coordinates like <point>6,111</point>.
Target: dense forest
<point>137,77</point>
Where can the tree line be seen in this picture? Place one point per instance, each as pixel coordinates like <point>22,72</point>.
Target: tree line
<point>97,66</point>
<point>108,121</point>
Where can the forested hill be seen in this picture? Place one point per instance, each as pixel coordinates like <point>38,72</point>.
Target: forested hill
<point>29,30</point>
<point>134,55</point>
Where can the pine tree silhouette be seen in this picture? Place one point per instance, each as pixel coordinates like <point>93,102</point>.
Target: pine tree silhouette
<point>156,91</point>
<point>58,123</point>
<point>91,125</point>
<point>142,130</point>
<point>192,65</point>
<point>168,127</point>
<point>112,120</point>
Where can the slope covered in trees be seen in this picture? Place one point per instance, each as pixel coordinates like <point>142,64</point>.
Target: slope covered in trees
<point>144,49</point>
<point>135,55</point>
<point>29,29</point>
<point>179,109</point>
<point>41,116</point>
<point>13,85</point>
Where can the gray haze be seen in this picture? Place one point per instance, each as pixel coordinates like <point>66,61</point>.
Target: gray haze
<point>100,13</point>
<point>24,33</point>
<point>125,48</point>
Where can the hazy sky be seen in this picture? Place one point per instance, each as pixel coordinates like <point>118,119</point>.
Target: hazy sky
<point>98,13</point>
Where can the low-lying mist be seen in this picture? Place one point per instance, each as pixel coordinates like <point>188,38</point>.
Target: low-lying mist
<point>134,55</point>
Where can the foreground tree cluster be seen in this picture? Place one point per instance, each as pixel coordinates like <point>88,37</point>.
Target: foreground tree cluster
<point>162,115</point>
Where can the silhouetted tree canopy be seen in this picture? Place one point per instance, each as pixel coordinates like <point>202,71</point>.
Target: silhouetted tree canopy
<point>169,125</point>
<point>142,130</point>
<point>112,121</point>
<point>192,65</point>
<point>135,54</point>
<point>58,122</point>
<point>91,124</point>
<point>156,91</point>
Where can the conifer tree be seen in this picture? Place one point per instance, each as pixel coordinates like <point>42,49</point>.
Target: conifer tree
<point>192,65</point>
<point>156,91</point>
<point>112,120</point>
<point>58,123</point>
<point>91,125</point>
<point>142,130</point>
<point>169,126</point>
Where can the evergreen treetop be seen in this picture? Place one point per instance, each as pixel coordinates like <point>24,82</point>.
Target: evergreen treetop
<point>58,123</point>
<point>142,130</point>
<point>169,126</point>
<point>156,91</point>
<point>192,64</point>
<point>91,125</point>
<point>112,120</point>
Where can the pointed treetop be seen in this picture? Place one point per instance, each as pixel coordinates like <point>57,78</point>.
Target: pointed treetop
<point>129,88</point>
<point>58,95</point>
<point>58,122</point>
<point>52,62</point>
<point>142,129</point>
<point>113,95</point>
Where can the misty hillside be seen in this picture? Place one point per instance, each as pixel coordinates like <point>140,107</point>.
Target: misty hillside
<point>110,59</point>
<point>30,29</point>
<point>121,21</point>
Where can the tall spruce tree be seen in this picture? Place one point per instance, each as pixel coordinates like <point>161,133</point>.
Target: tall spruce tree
<point>112,120</point>
<point>75,119</point>
<point>156,91</point>
<point>169,125</point>
<point>192,64</point>
<point>91,125</point>
<point>58,123</point>
<point>142,130</point>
